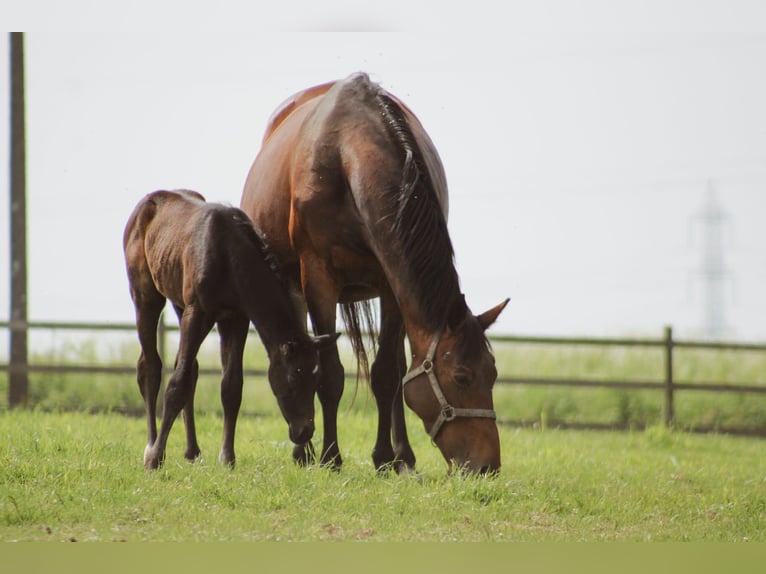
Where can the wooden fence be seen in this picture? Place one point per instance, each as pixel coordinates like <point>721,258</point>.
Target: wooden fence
<point>667,344</point>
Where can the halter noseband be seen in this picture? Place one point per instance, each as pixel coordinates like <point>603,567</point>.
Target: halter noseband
<point>448,412</point>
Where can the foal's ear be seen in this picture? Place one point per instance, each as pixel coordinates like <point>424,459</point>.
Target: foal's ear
<point>488,317</point>
<point>325,341</point>
<point>287,349</point>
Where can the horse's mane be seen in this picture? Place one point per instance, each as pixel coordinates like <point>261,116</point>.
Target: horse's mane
<point>419,223</point>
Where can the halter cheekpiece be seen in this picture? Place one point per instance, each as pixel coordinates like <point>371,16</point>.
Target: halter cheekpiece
<point>448,412</point>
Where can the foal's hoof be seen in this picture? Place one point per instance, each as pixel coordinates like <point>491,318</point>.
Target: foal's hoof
<point>303,454</point>
<point>227,459</point>
<point>152,460</point>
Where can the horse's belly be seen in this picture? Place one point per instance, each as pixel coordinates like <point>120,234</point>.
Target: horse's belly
<point>354,293</point>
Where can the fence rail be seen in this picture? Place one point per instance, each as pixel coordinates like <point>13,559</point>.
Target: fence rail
<point>668,385</point>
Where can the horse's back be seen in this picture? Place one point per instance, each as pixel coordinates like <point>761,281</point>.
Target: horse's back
<point>267,193</point>
<point>308,154</point>
<point>289,105</point>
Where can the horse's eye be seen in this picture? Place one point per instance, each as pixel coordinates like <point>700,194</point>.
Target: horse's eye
<point>463,377</point>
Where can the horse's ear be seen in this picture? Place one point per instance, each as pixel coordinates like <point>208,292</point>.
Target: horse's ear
<point>457,312</point>
<point>488,317</point>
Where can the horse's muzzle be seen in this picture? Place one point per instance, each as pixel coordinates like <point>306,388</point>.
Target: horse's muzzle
<point>483,468</point>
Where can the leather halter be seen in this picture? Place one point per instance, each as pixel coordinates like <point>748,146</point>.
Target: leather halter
<point>448,412</point>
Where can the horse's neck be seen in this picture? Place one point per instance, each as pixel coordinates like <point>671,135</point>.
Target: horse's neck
<point>425,295</point>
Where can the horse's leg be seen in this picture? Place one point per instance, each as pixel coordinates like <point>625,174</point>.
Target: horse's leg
<point>330,391</point>
<point>386,376</point>
<point>192,451</point>
<point>195,325</point>
<point>405,457</point>
<point>149,367</point>
<point>321,299</point>
<point>233,333</point>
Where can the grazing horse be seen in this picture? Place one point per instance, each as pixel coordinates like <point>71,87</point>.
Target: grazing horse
<point>209,260</point>
<point>350,193</point>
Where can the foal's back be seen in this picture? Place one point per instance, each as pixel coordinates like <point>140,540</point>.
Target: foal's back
<point>188,249</point>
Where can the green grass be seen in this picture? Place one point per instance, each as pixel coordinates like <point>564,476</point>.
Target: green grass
<point>69,475</point>
<point>75,476</point>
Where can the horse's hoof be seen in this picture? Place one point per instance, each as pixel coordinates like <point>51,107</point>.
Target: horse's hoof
<point>333,462</point>
<point>404,469</point>
<point>400,467</point>
<point>193,455</point>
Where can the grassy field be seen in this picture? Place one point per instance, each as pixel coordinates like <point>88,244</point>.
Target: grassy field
<point>75,476</point>
<point>69,475</point>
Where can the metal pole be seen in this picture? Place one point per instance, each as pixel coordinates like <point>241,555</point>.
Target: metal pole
<point>18,378</point>
<point>668,414</point>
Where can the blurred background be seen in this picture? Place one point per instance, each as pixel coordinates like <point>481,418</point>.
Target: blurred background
<point>606,160</point>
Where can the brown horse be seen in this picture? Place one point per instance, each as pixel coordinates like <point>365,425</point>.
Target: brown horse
<point>209,260</point>
<point>351,194</point>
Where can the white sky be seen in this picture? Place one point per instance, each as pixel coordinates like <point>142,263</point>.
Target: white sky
<point>578,140</point>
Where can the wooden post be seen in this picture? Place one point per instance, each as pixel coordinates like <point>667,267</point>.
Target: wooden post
<point>18,387</point>
<point>668,411</point>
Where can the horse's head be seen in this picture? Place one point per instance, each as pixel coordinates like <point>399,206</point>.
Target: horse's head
<point>293,368</point>
<point>450,388</point>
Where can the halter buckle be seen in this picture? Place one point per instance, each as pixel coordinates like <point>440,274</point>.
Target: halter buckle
<point>448,413</point>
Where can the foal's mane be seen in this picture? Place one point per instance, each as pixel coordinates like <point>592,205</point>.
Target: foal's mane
<point>419,223</point>
<point>257,238</point>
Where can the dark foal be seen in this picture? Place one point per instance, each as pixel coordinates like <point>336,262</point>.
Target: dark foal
<point>209,260</point>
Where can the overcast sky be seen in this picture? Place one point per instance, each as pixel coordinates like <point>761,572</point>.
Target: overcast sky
<point>579,141</point>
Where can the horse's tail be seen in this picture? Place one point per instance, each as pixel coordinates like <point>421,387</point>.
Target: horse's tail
<point>359,320</point>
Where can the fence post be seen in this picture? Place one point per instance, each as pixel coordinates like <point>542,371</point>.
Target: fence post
<point>18,377</point>
<point>668,411</point>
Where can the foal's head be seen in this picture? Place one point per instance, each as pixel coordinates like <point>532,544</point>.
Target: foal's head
<point>293,370</point>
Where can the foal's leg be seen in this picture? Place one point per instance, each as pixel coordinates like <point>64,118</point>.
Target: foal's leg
<point>233,333</point>
<point>195,325</point>
<point>386,376</point>
<point>149,367</point>
<point>192,451</point>
<point>303,454</point>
